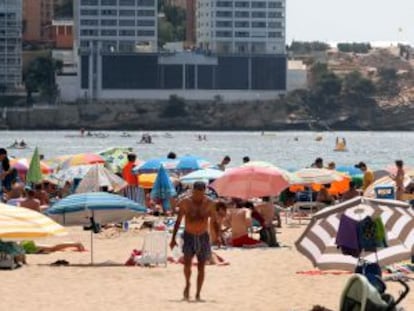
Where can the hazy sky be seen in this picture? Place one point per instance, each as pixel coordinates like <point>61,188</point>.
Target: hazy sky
<point>350,20</point>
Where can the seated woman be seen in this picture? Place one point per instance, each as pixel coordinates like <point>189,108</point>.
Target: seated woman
<point>324,196</point>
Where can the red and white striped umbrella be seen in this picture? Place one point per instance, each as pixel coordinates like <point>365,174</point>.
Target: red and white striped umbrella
<point>317,242</point>
<point>251,182</point>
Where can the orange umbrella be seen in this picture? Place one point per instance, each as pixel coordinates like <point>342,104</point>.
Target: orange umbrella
<point>22,166</point>
<point>147,181</point>
<point>337,187</point>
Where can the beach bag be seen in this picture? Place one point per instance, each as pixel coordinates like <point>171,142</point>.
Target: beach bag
<point>268,235</point>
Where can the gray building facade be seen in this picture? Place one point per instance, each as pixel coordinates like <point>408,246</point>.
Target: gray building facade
<point>10,44</point>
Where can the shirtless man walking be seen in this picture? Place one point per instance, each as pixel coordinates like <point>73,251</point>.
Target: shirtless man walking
<point>196,208</point>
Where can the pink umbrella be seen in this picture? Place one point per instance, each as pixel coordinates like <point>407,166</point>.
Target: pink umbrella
<point>251,182</point>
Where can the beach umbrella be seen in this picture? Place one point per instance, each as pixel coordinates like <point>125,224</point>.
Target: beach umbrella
<point>116,158</point>
<point>56,162</point>
<point>147,181</point>
<point>190,163</point>
<point>250,182</point>
<point>18,223</point>
<point>93,207</point>
<point>204,175</point>
<point>259,164</point>
<point>384,181</point>
<point>82,159</point>
<point>318,241</point>
<point>22,166</point>
<point>309,176</point>
<point>153,165</point>
<point>98,177</point>
<point>34,174</point>
<point>163,189</point>
<point>71,173</point>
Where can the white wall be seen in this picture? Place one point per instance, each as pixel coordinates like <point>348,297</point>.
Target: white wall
<point>68,88</point>
<point>226,95</point>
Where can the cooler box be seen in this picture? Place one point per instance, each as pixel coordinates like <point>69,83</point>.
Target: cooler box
<point>384,192</point>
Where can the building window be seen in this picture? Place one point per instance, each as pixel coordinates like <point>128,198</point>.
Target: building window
<point>259,4</point>
<point>275,34</point>
<point>241,34</point>
<point>224,14</point>
<point>275,25</point>
<point>275,14</point>
<point>89,12</point>
<point>224,24</point>
<point>146,22</point>
<point>258,24</point>
<point>108,22</point>
<point>89,2</point>
<point>127,2</point>
<point>241,24</point>
<point>275,5</point>
<point>146,33</point>
<point>108,2</point>
<point>127,22</point>
<point>61,30</point>
<point>126,13</point>
<point>146,13</point>
<point>108,32</point>
<point>243,14</point>
<point>109,46</point>
<point>89,32</point>
<point>109,12</point>
<point>259,14</point>
<point>127,32</point>
<point>224,4</point>
<point>241,4</point>
<point>89,22</point>
<point>146,2</point>
<point>84,43</point>
<point>223,34</point>
<point>126,46</point>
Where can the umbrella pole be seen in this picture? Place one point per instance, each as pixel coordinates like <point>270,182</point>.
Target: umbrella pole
<point>91,247</point>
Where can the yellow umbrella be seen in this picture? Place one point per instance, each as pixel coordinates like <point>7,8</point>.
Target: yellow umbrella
<point>18,223</point>
<point>147,181</point>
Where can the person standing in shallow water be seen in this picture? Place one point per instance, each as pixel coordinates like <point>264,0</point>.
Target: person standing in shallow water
<point>196,209</point>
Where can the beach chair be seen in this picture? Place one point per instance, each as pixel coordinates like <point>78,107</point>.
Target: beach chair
<point>154,249</point>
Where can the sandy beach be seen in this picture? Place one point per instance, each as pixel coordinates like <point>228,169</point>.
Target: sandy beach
<point>256,279</point>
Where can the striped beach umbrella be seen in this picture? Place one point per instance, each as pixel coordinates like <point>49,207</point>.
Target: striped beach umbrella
<point>309,176</point>
<point>384,181</point>
<point>94,207</point>
<point>18,223</point>
<point>98,177</point>
<point>82,159</point>
<point>318,241</point>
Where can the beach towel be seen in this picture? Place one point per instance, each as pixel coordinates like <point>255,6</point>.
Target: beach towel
<point>381,235</point>
<point>347,237</point>
<point>367,235</point>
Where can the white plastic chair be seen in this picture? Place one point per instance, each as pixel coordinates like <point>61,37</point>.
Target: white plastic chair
<point>155,248</point>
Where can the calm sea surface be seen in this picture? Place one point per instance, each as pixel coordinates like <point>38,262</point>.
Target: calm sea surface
<point>284,149</point>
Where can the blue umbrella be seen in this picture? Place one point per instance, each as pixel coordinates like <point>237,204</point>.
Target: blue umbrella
<point>191,163</point>
<point>93,207</point>
<point>153,165</point>
<point>350,170</point>
<point>201,175</point>
<point>163,189</point>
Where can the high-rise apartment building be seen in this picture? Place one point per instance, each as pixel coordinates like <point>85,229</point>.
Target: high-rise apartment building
<point>117,25</point>
<point>10,43</point>
<point>37,19</point>
<point>241,26</point>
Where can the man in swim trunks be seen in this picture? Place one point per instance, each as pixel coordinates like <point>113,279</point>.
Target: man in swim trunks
<point>197,209</point>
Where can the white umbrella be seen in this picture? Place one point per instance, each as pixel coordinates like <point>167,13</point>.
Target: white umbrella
<point>98,177</point>
<point>201,175</point>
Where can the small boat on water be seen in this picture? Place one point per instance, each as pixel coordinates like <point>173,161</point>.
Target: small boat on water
<point>318,137</point>
<point>168,135</point>
<point>125,135</point>
<point>17,147</point>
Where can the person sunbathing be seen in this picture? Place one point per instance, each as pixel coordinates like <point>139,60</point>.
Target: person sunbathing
<point>30,202</point>
<point>241,221</point>
<point>31,248</point>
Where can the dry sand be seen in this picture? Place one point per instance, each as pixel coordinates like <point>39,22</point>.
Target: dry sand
<point>256,279</point>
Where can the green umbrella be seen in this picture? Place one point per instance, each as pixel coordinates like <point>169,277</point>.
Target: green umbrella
<point>34,174</point>
<point>115,158</point>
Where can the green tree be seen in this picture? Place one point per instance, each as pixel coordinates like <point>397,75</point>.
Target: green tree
<point>40,76</point>
<point>355,85</point>
<point>165,32</point>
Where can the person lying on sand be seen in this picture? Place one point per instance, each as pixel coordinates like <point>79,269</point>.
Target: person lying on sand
<point>31,248</point>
